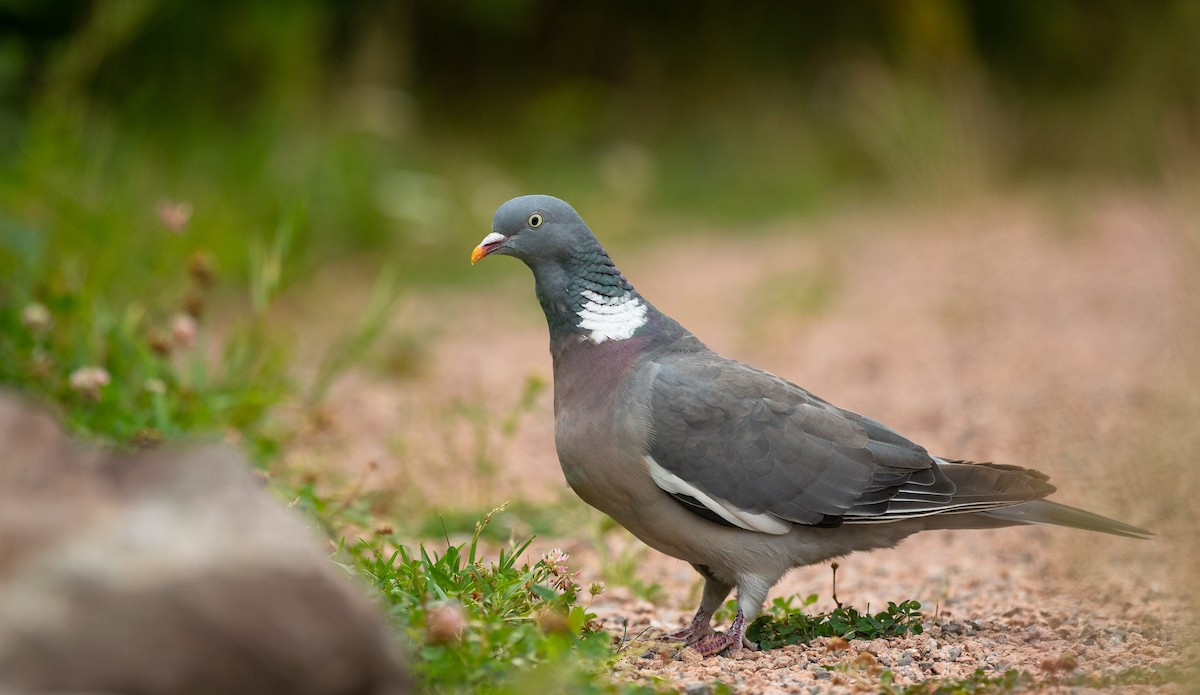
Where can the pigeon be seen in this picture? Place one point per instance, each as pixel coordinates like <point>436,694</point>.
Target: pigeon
<point>730,468</point>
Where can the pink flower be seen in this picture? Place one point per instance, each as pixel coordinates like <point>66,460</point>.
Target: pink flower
<point>444,624</point>
<point>183,330</point>
<point>555,562</point>
<point>174,214</point>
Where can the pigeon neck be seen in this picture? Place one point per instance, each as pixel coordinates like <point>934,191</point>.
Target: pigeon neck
<point>585,298</point>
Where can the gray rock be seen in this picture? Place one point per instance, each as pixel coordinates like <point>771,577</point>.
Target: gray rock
<point>168,572</point>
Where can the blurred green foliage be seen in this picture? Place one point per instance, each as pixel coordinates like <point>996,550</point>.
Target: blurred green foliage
<point>403,124</point>
<point>269,138</point>
<point>118,333</point>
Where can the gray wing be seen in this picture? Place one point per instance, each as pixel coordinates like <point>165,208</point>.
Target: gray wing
<point>757,451</point>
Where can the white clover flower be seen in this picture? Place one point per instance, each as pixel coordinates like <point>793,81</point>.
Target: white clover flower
<point>555,560</point>
<point>37,318</point>
<point>89,380</point>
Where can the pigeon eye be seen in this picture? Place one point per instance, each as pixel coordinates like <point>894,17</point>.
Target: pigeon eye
<point>535,220</point>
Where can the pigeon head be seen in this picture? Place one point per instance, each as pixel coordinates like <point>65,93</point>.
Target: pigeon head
<point>581,292</point>
<point>535,228</point>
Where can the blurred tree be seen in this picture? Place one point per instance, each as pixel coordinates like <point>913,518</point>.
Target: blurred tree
<point>712,101</point>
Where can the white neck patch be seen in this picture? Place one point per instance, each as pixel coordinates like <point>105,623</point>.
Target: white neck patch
<point>611,318</point>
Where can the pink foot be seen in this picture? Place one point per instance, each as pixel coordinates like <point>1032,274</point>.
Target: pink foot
<point>733,640</point>
<point>699,629</point>
<point>715,644</point>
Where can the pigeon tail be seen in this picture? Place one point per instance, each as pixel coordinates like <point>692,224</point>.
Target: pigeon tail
<point>1055,514</point>
<point>994,482</point>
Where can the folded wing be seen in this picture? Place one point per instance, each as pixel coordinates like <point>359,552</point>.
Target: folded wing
<point>742,447</point>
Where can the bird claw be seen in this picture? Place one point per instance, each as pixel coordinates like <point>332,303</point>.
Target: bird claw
<point>699,629</point>
<point>715,644</point>
<point>689,635</point>
<point>734,640</point>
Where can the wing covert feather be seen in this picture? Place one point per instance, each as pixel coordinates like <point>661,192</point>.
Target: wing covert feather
<point>766,445</point>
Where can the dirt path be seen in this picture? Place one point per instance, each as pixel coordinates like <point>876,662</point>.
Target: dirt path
<point>1061,338</point>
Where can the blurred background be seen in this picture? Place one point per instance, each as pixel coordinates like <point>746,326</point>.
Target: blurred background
<point>975,220</point>
<point>211,209</point>
<point>402,125</point>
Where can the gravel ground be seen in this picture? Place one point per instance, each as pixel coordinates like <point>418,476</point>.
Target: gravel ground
<point>1017,614</point>
<point>1064,336</point>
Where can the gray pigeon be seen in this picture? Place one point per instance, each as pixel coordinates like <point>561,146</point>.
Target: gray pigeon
<point>732,469</point>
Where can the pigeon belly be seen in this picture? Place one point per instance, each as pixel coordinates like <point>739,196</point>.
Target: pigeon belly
<point>595,446</point>
<point>602,434</point>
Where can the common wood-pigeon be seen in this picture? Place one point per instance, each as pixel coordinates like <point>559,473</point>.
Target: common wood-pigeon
<point>737,471</point>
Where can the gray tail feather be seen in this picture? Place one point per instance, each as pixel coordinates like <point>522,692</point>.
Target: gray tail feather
<point>1046,512</point>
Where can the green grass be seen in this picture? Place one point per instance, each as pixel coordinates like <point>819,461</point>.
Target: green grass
<point>520,518</point>
<point>496,626</point>
<point>784,622</point>
<point>131,356</point>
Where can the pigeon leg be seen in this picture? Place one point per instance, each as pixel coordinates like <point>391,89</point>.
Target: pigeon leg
<point>752,591</point>
<point>700,627</point>
<point>715,592</point>
<point>733,639</point>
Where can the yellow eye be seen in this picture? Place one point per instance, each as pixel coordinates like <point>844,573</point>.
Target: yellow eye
<point>535,220</point>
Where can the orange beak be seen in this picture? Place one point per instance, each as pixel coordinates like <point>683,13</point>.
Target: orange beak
<point>490,243</point>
